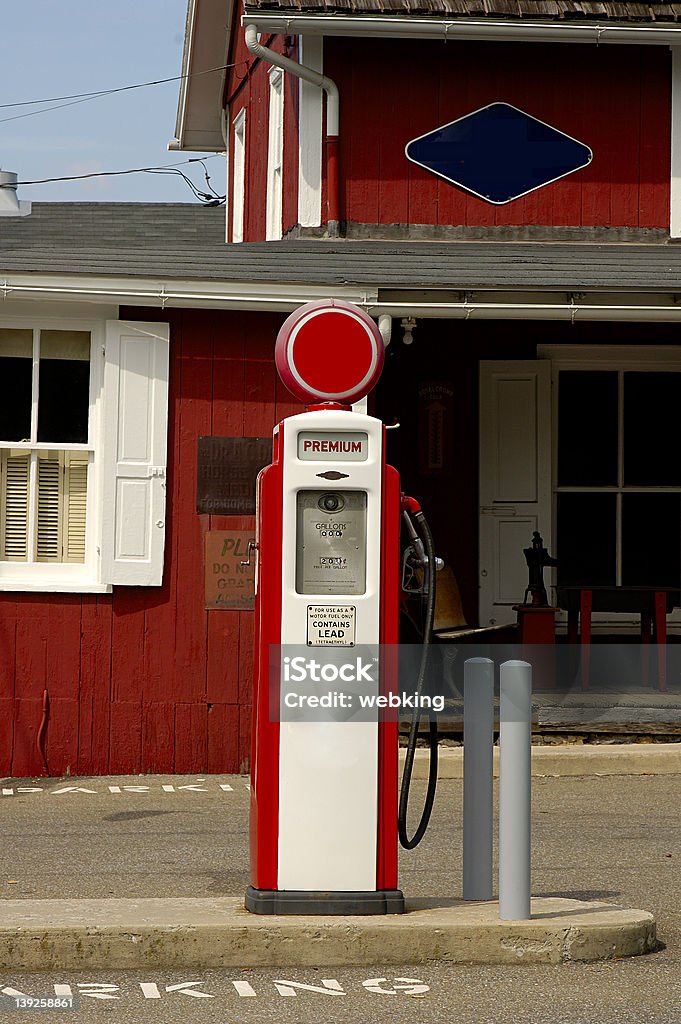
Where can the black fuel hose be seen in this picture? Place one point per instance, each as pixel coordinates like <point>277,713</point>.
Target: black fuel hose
<point>421,525</point>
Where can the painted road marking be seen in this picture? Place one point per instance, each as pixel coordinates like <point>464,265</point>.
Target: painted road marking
<point>282,987</point>
<point>116,790</point>
<point>244,989</point>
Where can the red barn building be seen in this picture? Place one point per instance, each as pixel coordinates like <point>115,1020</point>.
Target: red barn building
<point>534,357</point>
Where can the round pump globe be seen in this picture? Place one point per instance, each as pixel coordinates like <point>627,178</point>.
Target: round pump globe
<point>329,351</point>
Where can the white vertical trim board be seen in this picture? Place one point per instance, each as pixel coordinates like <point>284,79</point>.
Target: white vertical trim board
<point>239,176</point>
<point>275,156</point>
<point>675,183</point>
<point>310,136</point>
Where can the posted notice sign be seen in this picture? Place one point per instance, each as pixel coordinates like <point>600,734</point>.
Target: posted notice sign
<point>331,625</point>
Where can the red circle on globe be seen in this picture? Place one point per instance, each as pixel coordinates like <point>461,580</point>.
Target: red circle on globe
<point>329,351</point>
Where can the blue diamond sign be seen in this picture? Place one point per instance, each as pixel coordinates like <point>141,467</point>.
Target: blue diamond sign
<point>498,153</point>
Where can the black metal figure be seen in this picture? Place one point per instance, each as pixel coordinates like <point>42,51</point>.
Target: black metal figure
<point>537,557</point>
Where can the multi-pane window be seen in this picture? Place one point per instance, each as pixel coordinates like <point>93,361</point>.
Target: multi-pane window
<point>44,444</point>
<point>618,488</point>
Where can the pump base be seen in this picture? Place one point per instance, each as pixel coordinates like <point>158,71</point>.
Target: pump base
<point>301,902</point>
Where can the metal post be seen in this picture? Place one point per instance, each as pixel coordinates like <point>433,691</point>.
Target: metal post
<point>515,741</point>
<point>478,741</point>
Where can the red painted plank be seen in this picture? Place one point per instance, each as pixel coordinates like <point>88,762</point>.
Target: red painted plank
<point>95,683</point>
<point>63,652</point>
<point>158,737</point>
<point>655,155</point>
<point>127,653</point>
<point>25,758</point>
<point>245,728</point>
<point>6,735</point>
<point>126,738</point>
<point>191,738</point>
<point>223,738</point>
<point>32,641</point>
<point>8,626</point>
<point>62,737</point>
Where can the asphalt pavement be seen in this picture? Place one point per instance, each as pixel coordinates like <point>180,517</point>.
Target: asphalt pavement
<point>614,838</point>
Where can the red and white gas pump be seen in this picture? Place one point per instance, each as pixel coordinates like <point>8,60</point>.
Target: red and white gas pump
<point>324,793</point>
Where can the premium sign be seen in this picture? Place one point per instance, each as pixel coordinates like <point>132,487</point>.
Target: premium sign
<point>325,446</point>
<point>331,625</point>
<point>229,584</point>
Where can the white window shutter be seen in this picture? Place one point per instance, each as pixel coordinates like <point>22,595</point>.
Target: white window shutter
<point>515,478</point>
<point>14,509</point>
<point>134,452</point>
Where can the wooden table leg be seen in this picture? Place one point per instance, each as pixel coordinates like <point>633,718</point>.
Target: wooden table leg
<point>646,624</point>
<point>661,636</point>
<point>585,603</point>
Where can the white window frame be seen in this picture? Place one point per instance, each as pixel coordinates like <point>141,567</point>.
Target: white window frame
<point>63,576</point>
<point>239,176</point>
<point>620,359</point>
<point>117,510</point>
<point>275,157</point>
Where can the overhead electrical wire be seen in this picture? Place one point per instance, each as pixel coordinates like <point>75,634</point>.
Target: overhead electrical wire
<point>84,97</point>
<point>208,199</point>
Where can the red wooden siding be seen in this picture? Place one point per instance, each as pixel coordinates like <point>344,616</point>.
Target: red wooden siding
<point>248,86</point>
<point>616,99</point>
<point>144,679</point>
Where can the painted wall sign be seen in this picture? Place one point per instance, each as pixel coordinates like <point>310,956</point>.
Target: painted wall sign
<point>229,584</point>
<point>227,471</point>
<point>498,153</point>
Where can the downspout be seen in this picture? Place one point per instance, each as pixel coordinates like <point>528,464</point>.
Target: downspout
<point>332,119</point>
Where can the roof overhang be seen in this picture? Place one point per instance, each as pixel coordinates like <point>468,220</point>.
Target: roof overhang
<point>518,30</point>
<point>272,296</point>
<point>206,43</point>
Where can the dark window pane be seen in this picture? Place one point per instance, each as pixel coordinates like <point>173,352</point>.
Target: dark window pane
<point>15,408</point>
<point>587,539</point>
<point>652,406</point>
<point>587,428</point>
<point>64,398</point>
<point>16,370</point>
<point>651,551</point>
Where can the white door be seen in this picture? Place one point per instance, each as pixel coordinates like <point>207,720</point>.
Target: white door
<point>515,478</point>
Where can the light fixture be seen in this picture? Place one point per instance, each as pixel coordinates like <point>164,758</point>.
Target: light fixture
<point>10,206</point>
<point>408,326</point>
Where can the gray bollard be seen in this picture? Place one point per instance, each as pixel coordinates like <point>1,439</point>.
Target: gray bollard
<point>515,742</point>
<point>478,743</point>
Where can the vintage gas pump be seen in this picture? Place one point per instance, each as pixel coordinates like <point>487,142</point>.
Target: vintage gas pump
<point>324,804</point>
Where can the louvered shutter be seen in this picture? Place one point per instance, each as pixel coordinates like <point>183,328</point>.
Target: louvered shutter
<point>134,452</point>
<point>515,478</point>
<point>75,508</point>
<point>15,471</point>
<point>49,509</point>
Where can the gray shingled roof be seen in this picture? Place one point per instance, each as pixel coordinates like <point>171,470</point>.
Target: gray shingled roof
<point>581,10</point>
<point>174,242</point>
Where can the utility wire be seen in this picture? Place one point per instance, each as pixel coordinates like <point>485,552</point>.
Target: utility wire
<point>84,97</point>
<point>204,197</point>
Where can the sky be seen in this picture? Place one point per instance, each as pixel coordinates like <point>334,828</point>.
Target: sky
<point>53,48</point>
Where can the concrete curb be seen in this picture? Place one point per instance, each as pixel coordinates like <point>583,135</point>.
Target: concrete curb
<point>43,935</point>
<point>570,760</point>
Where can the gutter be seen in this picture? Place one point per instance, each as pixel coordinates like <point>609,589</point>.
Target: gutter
<point>285,298</point>
<point>391,26</point>
<point>332,118</point>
